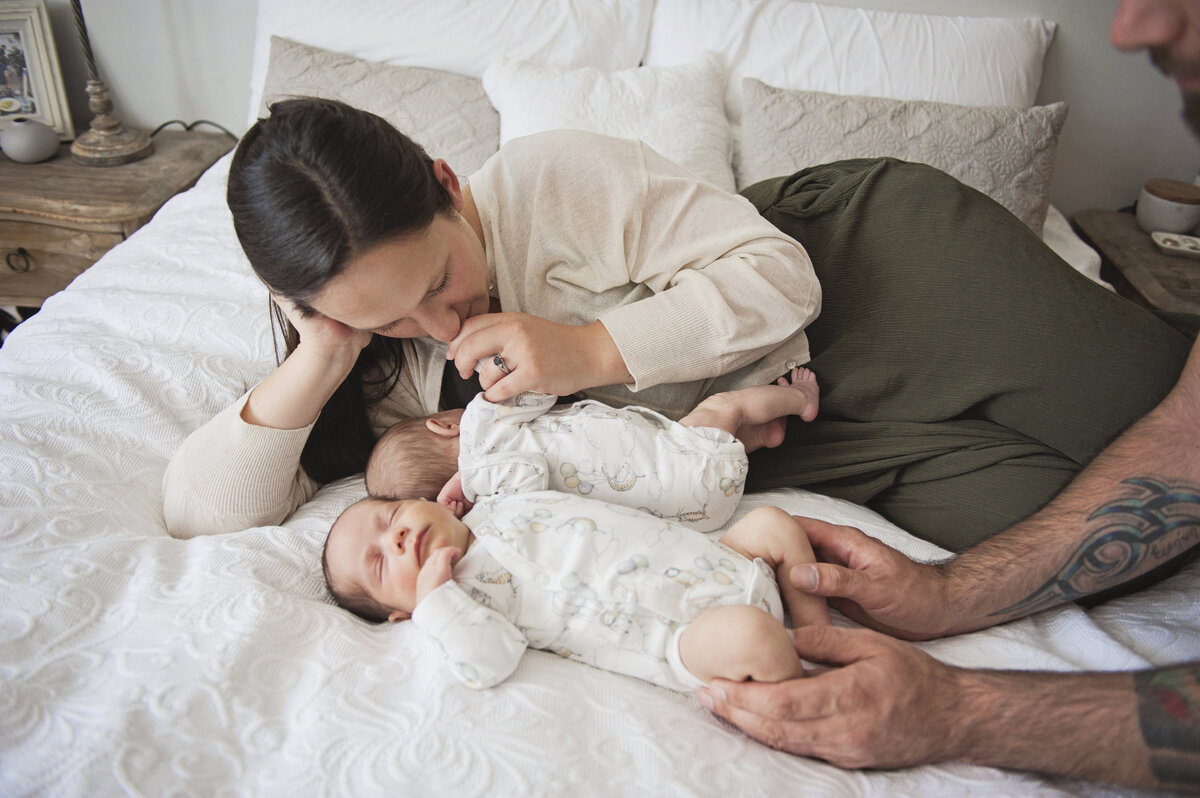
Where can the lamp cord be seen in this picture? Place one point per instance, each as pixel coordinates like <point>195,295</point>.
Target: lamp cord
<point>189,126</point>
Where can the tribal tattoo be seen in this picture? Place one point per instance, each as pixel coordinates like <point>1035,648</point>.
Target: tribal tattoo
<point>1159,521</point>
<point>1169,716</point>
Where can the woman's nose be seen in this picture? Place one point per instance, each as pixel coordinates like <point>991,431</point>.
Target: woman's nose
<point>443,324</point>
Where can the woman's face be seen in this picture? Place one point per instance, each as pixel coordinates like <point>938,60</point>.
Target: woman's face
<point>423,284</point>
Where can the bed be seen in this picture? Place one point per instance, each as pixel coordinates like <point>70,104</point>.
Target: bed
<point>136,664</point>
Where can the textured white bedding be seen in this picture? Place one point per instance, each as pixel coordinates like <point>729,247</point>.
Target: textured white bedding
<point>135,664</point>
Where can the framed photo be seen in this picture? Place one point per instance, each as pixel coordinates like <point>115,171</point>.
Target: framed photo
<point>31,83</point>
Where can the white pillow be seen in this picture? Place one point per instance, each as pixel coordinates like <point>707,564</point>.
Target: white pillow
<point>676,110</point>
<point>1007,153</point>
<point>447,114</point>
<point>796,45</point>
<point>462,36</point>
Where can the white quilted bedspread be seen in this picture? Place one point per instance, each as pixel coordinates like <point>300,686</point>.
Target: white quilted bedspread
<point>135,664</point>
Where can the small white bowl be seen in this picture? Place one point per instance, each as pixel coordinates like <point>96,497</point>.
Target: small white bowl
<point>1171,206</point>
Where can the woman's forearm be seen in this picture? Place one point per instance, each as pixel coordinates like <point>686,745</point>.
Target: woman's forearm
<point>293,395</point>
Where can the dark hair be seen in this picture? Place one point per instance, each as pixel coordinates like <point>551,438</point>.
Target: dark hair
<point>410,462</point>
<point>360,604</point>
<point>312,186</point>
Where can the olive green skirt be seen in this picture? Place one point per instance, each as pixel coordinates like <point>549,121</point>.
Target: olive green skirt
<point>967,372</point>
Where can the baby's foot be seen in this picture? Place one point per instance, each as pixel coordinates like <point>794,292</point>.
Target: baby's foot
<point>805,381</point>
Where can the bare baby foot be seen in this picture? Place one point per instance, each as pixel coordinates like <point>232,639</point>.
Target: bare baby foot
<point>805,381</point>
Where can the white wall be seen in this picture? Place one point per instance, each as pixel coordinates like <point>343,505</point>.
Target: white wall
<point>190,59</point>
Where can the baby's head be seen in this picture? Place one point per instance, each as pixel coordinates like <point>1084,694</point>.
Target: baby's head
<point>376,548</point>
<point>415,457</point>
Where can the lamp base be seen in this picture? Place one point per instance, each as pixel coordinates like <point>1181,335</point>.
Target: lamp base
<point>111,148</point>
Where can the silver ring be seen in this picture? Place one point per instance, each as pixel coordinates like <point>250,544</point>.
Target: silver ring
<point>500,364</point>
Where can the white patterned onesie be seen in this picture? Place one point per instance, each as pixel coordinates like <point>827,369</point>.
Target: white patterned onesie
<point>602,584</point>
<point>630,456</point>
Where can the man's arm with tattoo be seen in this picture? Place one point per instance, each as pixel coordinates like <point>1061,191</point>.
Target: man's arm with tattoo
<point>1133,508</point>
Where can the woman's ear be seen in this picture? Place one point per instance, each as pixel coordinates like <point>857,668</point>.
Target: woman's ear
<point>445,175</point>
<point>395,616</point>
<point>442,428</point>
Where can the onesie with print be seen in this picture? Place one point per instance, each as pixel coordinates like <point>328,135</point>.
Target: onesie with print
<point>603,584</point>
<point>630,456</point>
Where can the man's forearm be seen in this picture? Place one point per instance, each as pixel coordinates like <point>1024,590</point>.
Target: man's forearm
<point>1138,729</point>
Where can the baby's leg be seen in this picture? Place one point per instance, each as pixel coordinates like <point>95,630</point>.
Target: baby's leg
<point>757,416</point>
<point>740,643</point>
<point>779,539</point>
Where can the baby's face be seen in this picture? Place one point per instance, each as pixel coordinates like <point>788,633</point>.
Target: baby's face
<point>378,546</point>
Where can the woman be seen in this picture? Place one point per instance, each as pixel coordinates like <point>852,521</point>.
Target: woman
<point>967,373</point>
<point>589,265</point>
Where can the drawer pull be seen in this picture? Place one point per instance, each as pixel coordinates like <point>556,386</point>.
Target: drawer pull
<point>18,260</point>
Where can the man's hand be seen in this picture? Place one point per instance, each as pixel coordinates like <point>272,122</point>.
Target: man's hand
<point>436,571</point>
<point>888,704</point>
<point>873,583</point>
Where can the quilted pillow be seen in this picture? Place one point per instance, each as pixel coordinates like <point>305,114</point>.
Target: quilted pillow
<point>1007,153</point>
<point>677,110</point>
<point>447,114</point>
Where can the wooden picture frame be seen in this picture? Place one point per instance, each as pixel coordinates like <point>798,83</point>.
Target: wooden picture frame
<point>31,84</point>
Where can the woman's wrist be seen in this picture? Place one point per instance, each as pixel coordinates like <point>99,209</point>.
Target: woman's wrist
<point>608,366</point>
<point>294,394</point>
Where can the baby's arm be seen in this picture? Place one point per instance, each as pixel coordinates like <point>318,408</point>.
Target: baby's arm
<point>479,644</point>
<point>778,538</point>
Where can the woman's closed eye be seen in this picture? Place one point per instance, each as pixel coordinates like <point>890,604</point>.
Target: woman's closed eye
<point>441,286</point>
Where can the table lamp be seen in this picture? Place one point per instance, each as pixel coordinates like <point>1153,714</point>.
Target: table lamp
<point>107,142</point>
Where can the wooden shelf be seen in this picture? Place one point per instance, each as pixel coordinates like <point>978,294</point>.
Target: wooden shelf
<point>1138,270</point>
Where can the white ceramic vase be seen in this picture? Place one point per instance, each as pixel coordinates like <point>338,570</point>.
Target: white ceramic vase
<point>28,140</point>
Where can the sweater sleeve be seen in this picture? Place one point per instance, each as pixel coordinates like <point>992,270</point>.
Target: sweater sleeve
<point>229,476</point>
<point>728,287</point>
<point>689,280</point>
<point>480,645</point>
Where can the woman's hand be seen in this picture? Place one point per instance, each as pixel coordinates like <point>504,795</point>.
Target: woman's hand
<point>294,394</point>
<point>322,334</point>
<point>540,355</point>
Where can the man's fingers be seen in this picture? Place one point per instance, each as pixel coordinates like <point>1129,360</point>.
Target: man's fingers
<point>835,645</point>
<point>831,581</point>
<point>835,542</point>
<point>773,730</point>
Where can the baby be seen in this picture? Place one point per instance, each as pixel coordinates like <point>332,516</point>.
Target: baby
<point>692,471</point>
<point>607,585</point>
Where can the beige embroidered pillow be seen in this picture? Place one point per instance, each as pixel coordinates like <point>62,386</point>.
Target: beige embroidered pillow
<point>447,114</point>
<point>1005,152</point>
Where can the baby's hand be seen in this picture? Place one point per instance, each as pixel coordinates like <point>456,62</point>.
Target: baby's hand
<point>436,571</point>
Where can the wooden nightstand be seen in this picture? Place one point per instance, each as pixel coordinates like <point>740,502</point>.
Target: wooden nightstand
<point>1135,267</point>
<point>58,217</point>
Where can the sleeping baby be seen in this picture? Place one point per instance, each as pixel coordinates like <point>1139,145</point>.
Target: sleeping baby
<point>692,471</point>
<point>534,563</point>
<point>607,585</point>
